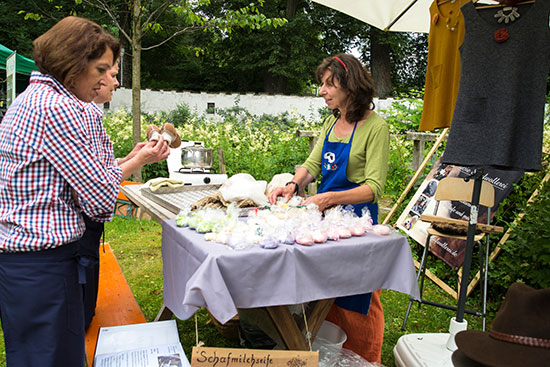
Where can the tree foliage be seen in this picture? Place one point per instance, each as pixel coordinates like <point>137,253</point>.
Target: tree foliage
<point>242,59</point>
<point>279,60</point>
<point>147,17</point>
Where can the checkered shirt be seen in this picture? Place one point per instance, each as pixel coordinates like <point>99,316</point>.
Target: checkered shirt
<point>45,153</point>
<point>100,144</point>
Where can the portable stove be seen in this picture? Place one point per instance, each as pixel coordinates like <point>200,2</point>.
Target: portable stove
<point>192,175</point>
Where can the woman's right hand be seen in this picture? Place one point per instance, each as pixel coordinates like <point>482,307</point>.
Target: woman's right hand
<point>153,151</point>
<point>285,191</point>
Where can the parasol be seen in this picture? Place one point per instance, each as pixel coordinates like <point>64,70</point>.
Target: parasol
<point>391,15</point>
<point>388,15</point>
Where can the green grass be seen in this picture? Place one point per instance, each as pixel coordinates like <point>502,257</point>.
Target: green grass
<point>137,247</point>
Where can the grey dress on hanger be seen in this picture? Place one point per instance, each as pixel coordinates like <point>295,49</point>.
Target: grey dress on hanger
<point>499,112</point>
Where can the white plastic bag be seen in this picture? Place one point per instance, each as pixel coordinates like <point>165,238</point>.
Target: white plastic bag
<point>278,180</point>
<point>331,356</point>
<point>243,186</point>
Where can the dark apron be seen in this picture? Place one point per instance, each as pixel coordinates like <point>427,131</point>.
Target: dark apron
<point>89,266</point>
<point>41,307</point>
<point>334,162</point>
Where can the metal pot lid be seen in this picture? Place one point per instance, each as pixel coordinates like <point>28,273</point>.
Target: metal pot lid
<point>197,147</point>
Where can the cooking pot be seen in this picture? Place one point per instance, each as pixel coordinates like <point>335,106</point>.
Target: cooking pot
<point>196,156</point>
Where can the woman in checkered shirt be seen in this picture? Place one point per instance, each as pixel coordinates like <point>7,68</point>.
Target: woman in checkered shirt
<point>46,162</point>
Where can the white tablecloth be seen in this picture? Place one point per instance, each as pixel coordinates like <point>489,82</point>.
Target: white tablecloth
<point>198,273</point>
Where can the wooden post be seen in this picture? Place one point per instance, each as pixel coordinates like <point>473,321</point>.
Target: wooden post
<point>312,136</point>
<point>221,160</point>
<point>419,142</point>
<point>287,328</point>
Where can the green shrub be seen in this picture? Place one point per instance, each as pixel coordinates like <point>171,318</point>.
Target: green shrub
<point>405,112</point>
<point>525,255</point>
<point>180,115</point>
<point>403,116</point>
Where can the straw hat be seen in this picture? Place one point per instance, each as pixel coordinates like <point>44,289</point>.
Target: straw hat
<point>520,334</point>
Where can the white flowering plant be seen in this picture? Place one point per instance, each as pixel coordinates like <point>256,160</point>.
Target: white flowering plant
<point>259,145</point>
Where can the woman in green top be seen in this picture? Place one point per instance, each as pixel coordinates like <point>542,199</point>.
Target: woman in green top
<point>352,156</point>
<point>348,91</point>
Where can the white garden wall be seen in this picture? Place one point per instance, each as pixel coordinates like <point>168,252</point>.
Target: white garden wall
<point>256,104</point>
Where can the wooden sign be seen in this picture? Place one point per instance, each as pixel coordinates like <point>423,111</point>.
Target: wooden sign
<point>233,357</point>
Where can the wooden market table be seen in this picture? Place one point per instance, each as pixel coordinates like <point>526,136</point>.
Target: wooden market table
<point>199,274</point>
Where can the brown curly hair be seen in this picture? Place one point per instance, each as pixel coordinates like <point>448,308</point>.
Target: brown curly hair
<point>354,78</point>
<point>65,50</point>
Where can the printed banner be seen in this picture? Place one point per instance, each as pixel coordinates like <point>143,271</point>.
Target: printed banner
<point>451,250</point>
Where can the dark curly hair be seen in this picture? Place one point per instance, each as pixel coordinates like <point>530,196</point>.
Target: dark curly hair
<point>354,78</point>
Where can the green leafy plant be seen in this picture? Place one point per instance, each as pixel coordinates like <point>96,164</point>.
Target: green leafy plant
<point>403,116</point>
<point>405,112</point>
<point>180,115</point>
<point>525,256</point>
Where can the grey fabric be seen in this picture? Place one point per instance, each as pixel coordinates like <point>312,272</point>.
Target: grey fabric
<point>498,116</point>
<point>198,273</point>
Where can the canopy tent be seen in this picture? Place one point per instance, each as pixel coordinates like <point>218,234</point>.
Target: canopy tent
<point>23,64</point>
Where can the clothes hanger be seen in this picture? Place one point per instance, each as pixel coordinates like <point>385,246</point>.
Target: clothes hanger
<point>488,6</point>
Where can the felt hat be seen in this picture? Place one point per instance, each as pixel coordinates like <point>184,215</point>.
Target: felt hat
<point>459,359</point>
<point>520,334</point>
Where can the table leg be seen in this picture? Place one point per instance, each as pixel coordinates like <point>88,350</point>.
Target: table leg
<point>164,314</point>
<point>292,335</point>
<point>287,328</point>
<point>318,314</point>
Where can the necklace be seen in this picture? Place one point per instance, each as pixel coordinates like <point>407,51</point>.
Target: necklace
<point>507,18</point>
<point>448,24</point>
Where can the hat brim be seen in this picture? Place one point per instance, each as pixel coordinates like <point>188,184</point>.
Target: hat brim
<point>480,347</point>
<point>460,359</point>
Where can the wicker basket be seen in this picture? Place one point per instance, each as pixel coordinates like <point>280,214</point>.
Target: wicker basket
<point>230,330</point>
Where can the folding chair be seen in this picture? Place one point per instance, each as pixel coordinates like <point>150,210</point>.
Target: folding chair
<point>458,189</point>
<point>124,207</point>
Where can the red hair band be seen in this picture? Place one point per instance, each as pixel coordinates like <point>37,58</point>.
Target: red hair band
<point>341,62</point>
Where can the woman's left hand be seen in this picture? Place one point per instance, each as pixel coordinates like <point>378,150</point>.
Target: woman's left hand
<point>321,200</point>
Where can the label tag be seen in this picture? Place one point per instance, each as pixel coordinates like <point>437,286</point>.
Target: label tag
<point>234,357</point>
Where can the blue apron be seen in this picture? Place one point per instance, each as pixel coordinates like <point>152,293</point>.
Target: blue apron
<point>334,162</point>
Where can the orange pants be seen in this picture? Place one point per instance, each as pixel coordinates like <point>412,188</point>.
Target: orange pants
<point>365,333</point>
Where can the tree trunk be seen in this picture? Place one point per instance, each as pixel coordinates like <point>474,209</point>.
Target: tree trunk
<point>136,78</point>
<point>380,63</point>
<point>276,84</point>
<point>290,9</point>
<point>126,62</point>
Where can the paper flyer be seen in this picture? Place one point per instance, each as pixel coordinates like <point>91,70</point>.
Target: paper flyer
<point>451,250</point>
